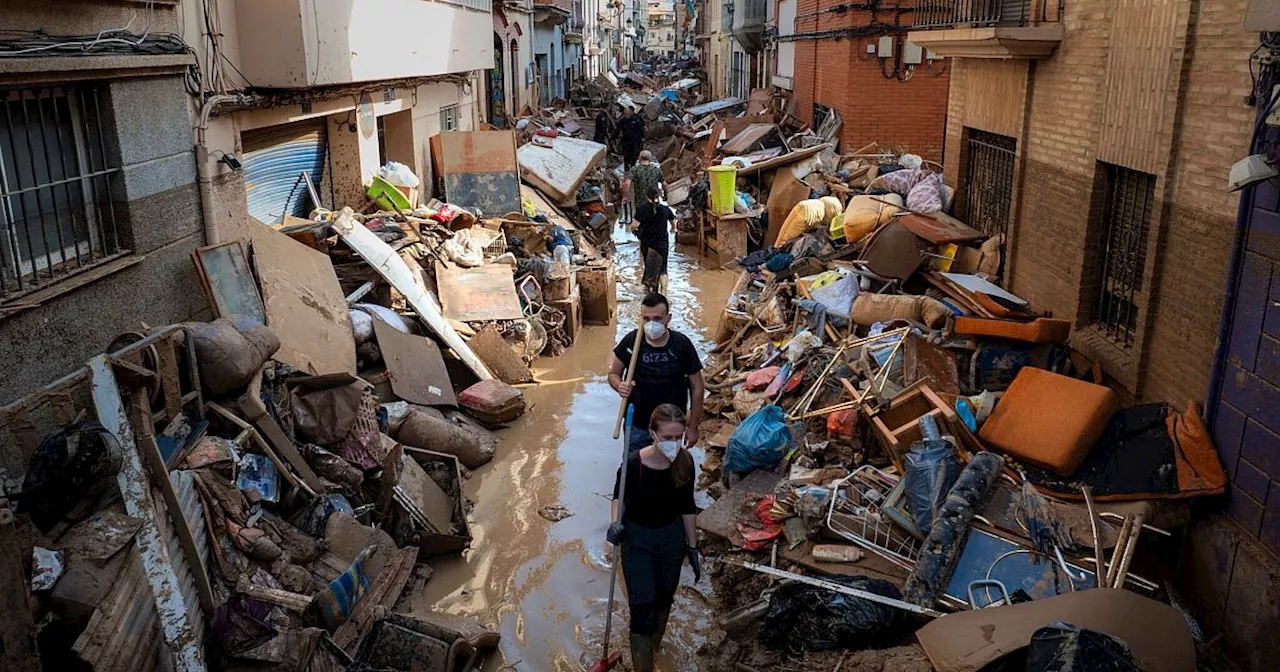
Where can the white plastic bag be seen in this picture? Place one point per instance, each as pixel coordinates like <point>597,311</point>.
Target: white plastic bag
<point>399,175</point>
<point>835,289</point>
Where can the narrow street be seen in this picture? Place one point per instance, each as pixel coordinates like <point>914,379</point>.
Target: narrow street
<point>546,583</point>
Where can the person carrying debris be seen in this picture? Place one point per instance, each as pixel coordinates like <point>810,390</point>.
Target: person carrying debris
<point>656,529</point>
<point>668,371</point>
<point>630,136</point>
<point>654,218</point>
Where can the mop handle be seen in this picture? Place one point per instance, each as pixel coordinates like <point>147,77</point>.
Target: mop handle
<point>622,502</point>
<point>631,374</point>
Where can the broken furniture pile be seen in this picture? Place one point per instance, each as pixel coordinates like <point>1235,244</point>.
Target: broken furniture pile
<point>903,442</point>
<point>265,489</point>
<point>191,501</point>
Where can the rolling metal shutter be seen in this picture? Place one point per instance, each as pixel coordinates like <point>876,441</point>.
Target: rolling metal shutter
<point>274,160</point>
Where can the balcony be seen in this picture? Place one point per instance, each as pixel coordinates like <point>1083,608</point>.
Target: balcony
<point>748,17</point>
<point>297,44</point>
<point>552,12</point>
<point>1000,29</point>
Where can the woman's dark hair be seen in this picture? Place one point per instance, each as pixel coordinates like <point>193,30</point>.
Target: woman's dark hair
<point>652,194</point>
<point>682,466</point>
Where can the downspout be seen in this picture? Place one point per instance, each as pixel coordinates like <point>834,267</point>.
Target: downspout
<point>203,177</point>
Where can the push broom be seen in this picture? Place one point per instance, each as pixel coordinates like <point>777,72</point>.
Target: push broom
<point>607,661</point>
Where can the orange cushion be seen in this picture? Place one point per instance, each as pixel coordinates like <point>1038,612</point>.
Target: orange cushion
<point>1049,420</point>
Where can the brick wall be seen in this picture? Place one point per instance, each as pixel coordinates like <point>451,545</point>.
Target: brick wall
<point>839,73</point>
<point>1194,126</point>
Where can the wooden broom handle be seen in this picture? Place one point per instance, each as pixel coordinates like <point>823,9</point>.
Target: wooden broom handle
<point>631,374</point>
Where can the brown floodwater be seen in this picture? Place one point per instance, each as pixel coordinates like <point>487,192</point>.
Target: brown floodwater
<point>545,585</point>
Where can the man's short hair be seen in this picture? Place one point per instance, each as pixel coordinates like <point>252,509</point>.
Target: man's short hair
<point>654,299</point>
<point>646,155</point>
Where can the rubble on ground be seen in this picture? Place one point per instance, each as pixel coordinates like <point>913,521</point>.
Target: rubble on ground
<point>882,411</point>
<point>266,489</point>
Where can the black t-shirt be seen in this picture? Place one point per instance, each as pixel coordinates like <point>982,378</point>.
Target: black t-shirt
<point>653,224</point>
<point>662,374</point>
<point>653,500</point>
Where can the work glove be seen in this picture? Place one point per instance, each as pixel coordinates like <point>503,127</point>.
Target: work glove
<point>615,534</point>
<point>695,561</point>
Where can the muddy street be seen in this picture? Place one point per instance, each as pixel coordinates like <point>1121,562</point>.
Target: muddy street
<point>545,583</point>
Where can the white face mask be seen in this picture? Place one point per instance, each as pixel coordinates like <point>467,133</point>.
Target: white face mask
<point>669,449</point>
<point>654,330</point>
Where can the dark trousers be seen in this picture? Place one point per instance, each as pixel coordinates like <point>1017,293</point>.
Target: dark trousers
<point>651,561</point>
<point>655,266</point>
<point>629,157</point>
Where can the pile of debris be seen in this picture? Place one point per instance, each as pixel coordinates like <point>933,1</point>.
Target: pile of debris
<point>905,443</point>
<point>272,483</point>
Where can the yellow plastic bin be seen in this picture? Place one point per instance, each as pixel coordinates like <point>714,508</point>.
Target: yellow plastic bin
<point>722,179</point>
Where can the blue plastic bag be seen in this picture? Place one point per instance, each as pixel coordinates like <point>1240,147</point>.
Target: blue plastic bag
<point>760,442</point>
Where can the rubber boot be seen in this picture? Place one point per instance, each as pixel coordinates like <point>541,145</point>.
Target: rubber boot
<point>660,632</point>
<point>641,653</point>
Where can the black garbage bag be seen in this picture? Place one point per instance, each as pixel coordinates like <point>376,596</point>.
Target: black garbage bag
<point>814,619</point>
<point>74,463</point>
<point>1061,647</point>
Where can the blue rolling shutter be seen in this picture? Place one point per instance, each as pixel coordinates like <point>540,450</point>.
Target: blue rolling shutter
<point>274,160</point>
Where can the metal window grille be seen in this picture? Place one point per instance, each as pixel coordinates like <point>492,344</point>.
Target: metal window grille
<point>449,118</point>
<point>988,181</point>
<point>56,176</point>
<point>1126,223</point>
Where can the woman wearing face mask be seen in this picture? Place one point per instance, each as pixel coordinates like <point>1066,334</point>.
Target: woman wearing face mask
<point>656,530</point>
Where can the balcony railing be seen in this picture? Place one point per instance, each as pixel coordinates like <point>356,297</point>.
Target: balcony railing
<point>950,13</point>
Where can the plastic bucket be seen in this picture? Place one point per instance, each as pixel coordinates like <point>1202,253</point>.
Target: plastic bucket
<point>722,179</point>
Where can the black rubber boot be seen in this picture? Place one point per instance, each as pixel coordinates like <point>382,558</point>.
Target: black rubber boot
<point>660,632</point>
<point>641,653</point>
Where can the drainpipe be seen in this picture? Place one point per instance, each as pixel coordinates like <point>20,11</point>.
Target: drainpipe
<point>203,176</point>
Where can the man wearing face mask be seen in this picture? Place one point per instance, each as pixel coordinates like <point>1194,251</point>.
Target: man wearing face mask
<point>668,371</point>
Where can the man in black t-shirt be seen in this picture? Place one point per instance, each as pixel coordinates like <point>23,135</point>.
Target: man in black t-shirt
<point>668,371</point>
<point>653,219</point>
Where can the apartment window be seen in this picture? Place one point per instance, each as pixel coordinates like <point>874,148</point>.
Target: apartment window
<point>449,118</point>
<point>55,186</point>
<point>1123,226</point>
<point>482,5</point>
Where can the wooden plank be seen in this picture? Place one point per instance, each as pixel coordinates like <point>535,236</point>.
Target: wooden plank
<point>305,305</point>
<point>251,405</point>
<point>785,159</point>
<point>385,592</point>
<point>713,143</point>
<point>479,294</point>
<point>418,373</point>
<point>393,269</point>
<point>150,450</point>
<point>170,382</point>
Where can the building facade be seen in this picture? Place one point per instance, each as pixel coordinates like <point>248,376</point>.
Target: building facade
<point>509,84</point>
<point>99,198</point>
<point>860,64</point>
<point>286,104</point>
<point>1099,135</point>
<point>555,61</point>
<point>660,40</point>
<point>713,46</point>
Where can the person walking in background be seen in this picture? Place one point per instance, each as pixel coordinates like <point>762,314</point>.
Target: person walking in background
<point>630,136</point>
<point>654,220</point>
<point>604,127</point>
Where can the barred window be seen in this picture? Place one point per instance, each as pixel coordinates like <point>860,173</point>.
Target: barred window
<point>1125,225</point>
<point>449,118</point>
<point>55,186</point>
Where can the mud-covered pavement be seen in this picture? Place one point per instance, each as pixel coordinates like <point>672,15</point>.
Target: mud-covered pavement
<point>545,584</point>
